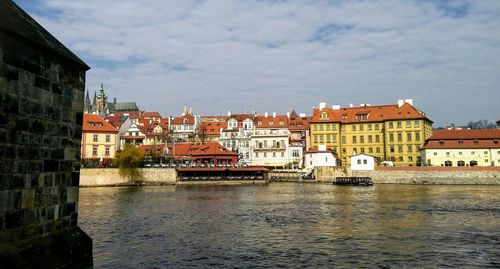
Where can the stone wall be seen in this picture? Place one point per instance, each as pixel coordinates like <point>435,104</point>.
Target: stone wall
<point>96,177</point>
<point>433,175</point>
<point>41,104</point>
<point>329,173</point>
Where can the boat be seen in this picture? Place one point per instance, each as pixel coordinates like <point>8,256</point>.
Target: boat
<point>353,181</point>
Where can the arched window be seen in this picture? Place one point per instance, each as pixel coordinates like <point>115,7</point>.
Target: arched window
<point>473,163</point>
<point>461,163</point>
<point>448,163</point>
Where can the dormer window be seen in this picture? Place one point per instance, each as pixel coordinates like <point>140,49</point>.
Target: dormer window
<point>344,116</point>
<point>476,142</point>
<point>270,122</point>
<point>259,123</point>
<point>460,142</point>
<point>282,122</point>
<point>324,115</point>
<point>362,116</point>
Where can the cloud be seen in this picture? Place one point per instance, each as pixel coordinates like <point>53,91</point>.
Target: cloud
<point>278,55</point>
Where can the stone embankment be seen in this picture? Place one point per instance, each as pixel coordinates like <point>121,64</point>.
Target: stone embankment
<point>434,175</point>
<point>96,177</point>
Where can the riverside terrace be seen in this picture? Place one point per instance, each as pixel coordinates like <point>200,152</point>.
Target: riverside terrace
<point>222,174</point>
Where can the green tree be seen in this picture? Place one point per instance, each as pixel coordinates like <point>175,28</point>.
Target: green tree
<point>129,159</point>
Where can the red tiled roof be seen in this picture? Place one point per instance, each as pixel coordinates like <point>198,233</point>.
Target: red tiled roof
<point>242,117</point>
<point>186,119</point>
<point>280,121</point>
<point>463,139</point>
<point>374,114</point>
<point>466,134</point>
<point>94,123</point>
<point>151,115</point>
<point>114,120</point>
<point>213,127</point>
<point>328,150</point>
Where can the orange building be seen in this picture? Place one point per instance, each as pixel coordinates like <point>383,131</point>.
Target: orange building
<point>99,138</point>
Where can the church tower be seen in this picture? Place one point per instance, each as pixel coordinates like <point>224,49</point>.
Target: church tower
<point>87,106</point>
<point>101,102</point>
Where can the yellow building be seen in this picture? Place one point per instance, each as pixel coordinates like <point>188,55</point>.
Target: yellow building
<point>463,148</point>
<point>99,138</point>
<point>388,132</point>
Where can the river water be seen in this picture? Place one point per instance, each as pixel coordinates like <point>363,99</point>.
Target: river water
<point>293,226</point>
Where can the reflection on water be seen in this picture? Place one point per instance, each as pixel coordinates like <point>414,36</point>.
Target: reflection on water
<point>293,225</point>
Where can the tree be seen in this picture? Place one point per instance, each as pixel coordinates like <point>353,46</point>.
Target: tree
<point>481,124</point>
<point>129,160</point>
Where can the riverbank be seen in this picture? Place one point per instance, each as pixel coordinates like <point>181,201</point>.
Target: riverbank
<point>110,177</point>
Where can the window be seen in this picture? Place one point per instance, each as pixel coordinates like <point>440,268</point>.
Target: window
<point>370,150</point>
<point>362,116</point>
<point>327,127</point>
<point>376,127</point>
<point>354,127</point>
<point>362,150</point>
<point>342,128</point>
<point>400,148</point>
<point>408,124</point>
<point>416,123</point>
<point>486,153</point>
<point>321,139</point>
<point>247,155</point>
<point>435,153</point>
<point>399,124</point>
<point>315,138</point>
<point>315,127</point>
<point>410,159</point>
<point>410,148</point>
<point>328,139</point>
<point>460,163</point>
<point>417,136</point>
<point>391,137</point>
<point>344,150</point>
<point>274,154</point>
<point>106,152</point>
<point>94,151</point>
<point>256,154</point>
<point>408,136</point>
<point>361,139</point>
<point>391,149</point>
<point>270,122</point>
<point>354,139</point>
<point>108,138</point>
<point>343,139</point>
<point>359,161</point>
<point>282,154</point>
<point>391,125</point>
<point>400,159</point>
<point>369,127</point>
<point>377,139</point>
<point>417,148</point>
<point>334,138</point>
<point>361,128</point>
<point>321,127</point>
<point>370,139</point>
<point>378,150</point>
<point>334,127</point>
<point>447,153</point>
<point>400,137</point>
<point>448,163</point>
<point>265,154</point>
<point>324,115</point>
<point>95,138</point>
<point>365,161</point>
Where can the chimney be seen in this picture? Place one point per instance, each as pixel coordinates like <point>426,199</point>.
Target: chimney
<point>322,105</point>
<point>400,102</point>
<point>302,115</point>
<point>288,114</point>
<point>274,114</point>
<point>409,101</point>
<point>266,114</point>
<point>229,113</point>
<point>336,107</point>
<point>351,105</point>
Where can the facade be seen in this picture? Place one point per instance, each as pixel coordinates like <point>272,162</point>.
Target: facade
<point>270,142</point>
<point>135,135</point>
<point>99,139</point>
<point>185,127</point>
<point>42,90</point>
<point>362,162</point>
<point>236,136</point>
<point>387,132</point>
<point>211,153</point>
<point>122,123</point>
<point>463,148</point>
<point>320,156</point>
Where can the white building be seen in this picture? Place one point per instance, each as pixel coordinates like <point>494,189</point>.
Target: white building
<point>185,127</point>
<point>320,156</point>
<point>236,137</point>
<point>362,162</point>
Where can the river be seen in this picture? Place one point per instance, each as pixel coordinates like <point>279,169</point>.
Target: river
<point>293,226</point>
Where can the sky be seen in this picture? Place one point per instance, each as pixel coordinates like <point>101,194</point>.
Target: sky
<point>275,56</point>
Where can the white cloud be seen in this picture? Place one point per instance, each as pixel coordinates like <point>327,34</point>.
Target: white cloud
<point>279,55</point>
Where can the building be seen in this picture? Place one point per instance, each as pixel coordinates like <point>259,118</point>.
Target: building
<point>135,135</point>
<point>210,128</point>
<point>479,147</point>
<point>99,139</point>
<point>387,132</point>
<point>122,123</point>
<point>102,107</point>
<point>320,156</point>
<point>362,162</point>
<point>270,141</point>
<point>185,127</point>
<point>236,135</point>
